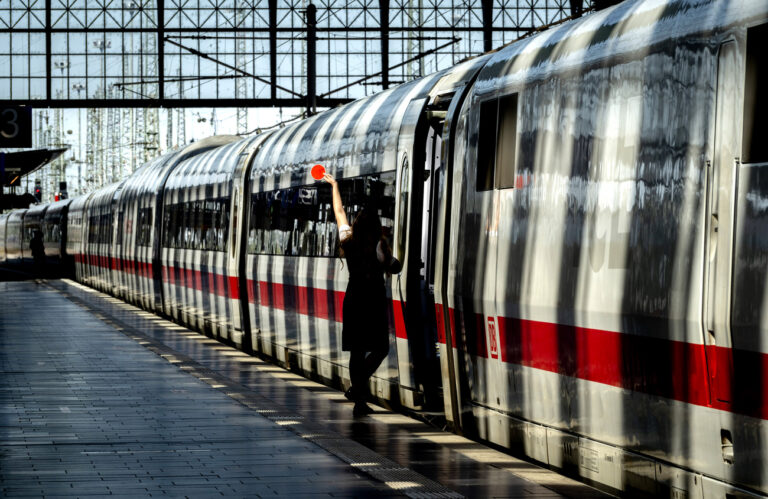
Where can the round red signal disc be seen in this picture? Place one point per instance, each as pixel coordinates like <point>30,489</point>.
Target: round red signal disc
<point>317,172</point>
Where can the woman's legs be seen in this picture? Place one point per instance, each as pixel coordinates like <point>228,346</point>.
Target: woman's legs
<point>357,370</point>
<point>362,365</point>
<point>373,361</point>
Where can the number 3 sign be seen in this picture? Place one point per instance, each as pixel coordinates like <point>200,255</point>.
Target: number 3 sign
<point>15,126</point>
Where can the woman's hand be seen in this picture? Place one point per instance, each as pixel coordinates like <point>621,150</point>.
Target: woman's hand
<point>329,178</point>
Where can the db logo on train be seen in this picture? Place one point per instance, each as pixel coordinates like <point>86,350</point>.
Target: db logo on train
<point>494,349</point>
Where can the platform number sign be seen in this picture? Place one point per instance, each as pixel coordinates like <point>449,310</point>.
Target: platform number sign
<point>493,342</point>
<point>15,126</point>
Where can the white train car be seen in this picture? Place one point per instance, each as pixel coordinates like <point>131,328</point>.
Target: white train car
<point>76,236</point>
<point>201,202</point>
<point>14,237</point>
<point>582,218</point>
<point>604,249</point>
<point>32,223</point>
<point>100,243</point>
<point>140,277</point>
<point>54,228</point>
<point>3,225</point>
<point>296,281</point>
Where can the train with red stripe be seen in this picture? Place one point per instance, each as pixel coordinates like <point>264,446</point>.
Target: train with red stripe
<point>582,218</point>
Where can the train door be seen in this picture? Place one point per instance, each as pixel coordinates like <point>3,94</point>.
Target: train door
<point>429,177</point>
<point>418,365</point>
<point>116,246</point>
<point>749,300</point>
<point>722,173</point>
<point>237,282</point>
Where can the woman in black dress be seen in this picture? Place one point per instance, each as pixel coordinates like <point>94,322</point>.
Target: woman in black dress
<point>365,331</point>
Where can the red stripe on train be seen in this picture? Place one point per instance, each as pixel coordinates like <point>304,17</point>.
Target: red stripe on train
<point>143,269</point>
<point>400,331</point>
<point>440,322</point>
<point>325,304</point>
<point>218,284</point>
<point>711,376</point>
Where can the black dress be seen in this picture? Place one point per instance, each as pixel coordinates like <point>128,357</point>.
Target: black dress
<point>365,322</point>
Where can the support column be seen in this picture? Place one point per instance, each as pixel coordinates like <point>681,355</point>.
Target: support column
<point>487,6</point>
<point>577,7</point>
<point>48,27</point>
<point>384,22</point>
<point>161,49</point>
<point>311,51</point>
<point>273,48</point>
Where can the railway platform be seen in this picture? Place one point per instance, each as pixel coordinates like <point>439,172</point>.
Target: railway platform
<point>98,398</point>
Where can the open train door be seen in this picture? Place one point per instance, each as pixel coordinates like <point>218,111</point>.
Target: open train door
<point>416,336</point>
<point>722,174</point>
<point>749,300</point>
<point>735,318</point>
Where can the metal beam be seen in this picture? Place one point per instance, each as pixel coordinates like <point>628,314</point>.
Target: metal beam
<point>161,48</point>
<point>311,59</point>
<point>320,102</point>
<point>48,62</point>
<point>273,48</point>
<point>487,6</point>
<point>384,22</point>
<point>229,66</point>
<point>414,58</point>
<point>350,29</point>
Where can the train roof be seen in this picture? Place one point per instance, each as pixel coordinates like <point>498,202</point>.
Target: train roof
<point>37,210</point>
<point>17,215</point>
<point>57,207</point>
<point>151,176</point>
<point>360,137</point>
<point>78,203</point>
<point>364,126</point>
<point>215,166</point>
<point>628,28</point>
<point>105,195</point>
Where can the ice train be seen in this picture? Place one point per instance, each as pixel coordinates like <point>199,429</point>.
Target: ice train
<point>583,222</point>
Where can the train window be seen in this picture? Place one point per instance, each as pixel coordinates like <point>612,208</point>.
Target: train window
<point>299,221</point>
<point>31,231</point>
<point>168,226</point>
<point>144,229</point>
<point>755,147</point>
<point>106,221</point>
<point>188,224</point>
<point>200,225</point>
<point>93,229</point>
<point>402,222</point>
<point>51,232</point>
<point>506,148</point>
<point>120,222</point>
<point>486,145</point>
<point>175,225</point>
<point>99,229</point>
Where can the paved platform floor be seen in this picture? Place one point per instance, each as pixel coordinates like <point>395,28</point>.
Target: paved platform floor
<point>100,398</point>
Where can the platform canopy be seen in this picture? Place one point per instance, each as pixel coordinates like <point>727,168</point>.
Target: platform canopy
<point>15,165</point>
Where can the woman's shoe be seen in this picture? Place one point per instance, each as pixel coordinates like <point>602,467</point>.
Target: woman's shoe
<point>349,394</point>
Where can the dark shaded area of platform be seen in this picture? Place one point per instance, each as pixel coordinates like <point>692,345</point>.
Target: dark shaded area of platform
<point>85,410</point>
<point>98,397</point>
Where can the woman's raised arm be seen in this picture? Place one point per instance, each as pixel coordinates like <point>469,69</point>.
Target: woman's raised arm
<point>338,208</point>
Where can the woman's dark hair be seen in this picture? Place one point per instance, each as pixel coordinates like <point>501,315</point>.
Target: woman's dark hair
<point>366,232</point>
<point>366,229</point>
